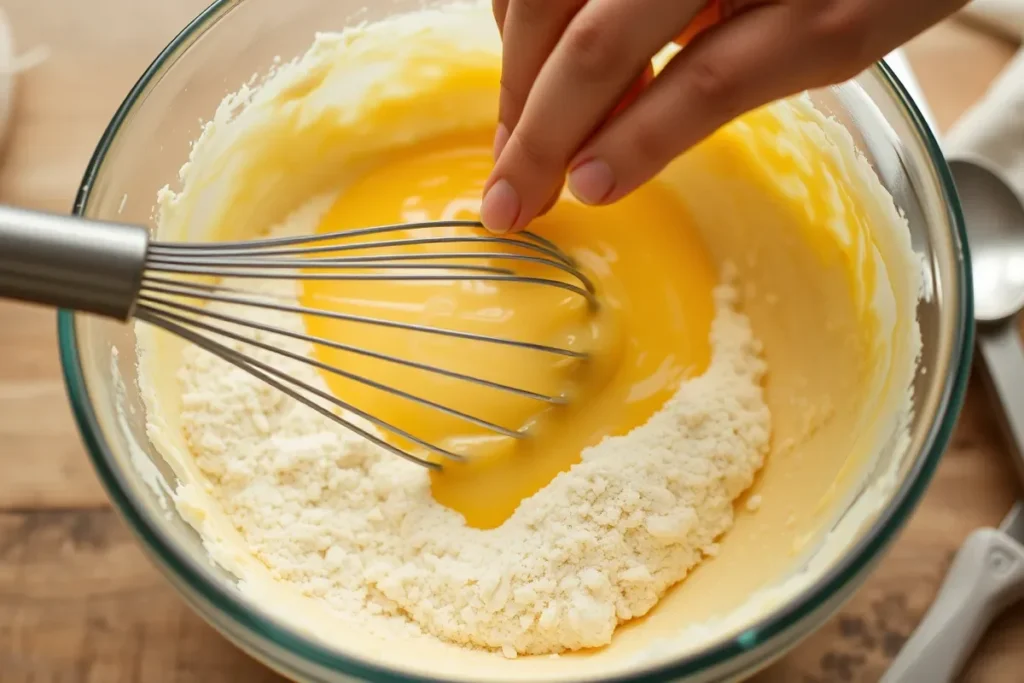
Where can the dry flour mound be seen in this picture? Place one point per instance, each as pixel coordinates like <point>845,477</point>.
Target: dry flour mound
<point>356,527</point>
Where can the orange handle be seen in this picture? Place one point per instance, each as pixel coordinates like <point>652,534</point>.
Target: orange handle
<point>705,19</point>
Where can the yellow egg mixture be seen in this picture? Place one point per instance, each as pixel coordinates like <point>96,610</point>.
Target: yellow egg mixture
<point>649,267</point>
<point>752,349</point>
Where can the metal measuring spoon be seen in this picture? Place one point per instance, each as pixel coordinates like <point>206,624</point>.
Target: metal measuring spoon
<point>987,573</point>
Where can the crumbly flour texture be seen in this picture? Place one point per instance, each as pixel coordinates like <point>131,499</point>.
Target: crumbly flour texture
<point>354,526</point>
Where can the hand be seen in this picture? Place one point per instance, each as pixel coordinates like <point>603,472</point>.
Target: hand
<point>578,96</point>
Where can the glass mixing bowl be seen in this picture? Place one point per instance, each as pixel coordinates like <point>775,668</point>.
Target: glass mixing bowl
<point>148,140</point>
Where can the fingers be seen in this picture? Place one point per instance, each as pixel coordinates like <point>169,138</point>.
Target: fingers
<point>729,69</point>
<point>606,47</point>
<point>531,31</point>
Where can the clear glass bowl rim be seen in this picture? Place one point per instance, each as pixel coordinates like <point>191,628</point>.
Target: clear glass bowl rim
<point>867,549</point>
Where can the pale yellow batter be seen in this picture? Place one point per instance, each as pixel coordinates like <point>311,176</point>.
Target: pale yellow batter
<point>824,297</point>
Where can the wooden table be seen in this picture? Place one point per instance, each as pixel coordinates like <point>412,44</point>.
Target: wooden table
<point>79,602</point>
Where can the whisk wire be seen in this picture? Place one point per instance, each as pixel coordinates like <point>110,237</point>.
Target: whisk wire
<point>117,271</point>
<point>328,343</point>
<point>320,365</point>
<point>267,373</point>
<point>276,275</point>
<point>213,250</point>
<point>288,240</point>
<point>163,301</point>
<point>148,290</point>
<point>398,261</point>
<point>177,265</point>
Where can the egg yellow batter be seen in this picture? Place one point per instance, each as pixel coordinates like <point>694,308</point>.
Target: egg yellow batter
<point>750,358</point>
<point>647,262</point>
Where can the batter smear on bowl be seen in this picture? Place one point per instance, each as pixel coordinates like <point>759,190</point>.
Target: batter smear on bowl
<point>544,545</point>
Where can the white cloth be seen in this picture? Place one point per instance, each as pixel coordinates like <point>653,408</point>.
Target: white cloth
<point>1005,17</point>
<point>993,129</point>
<point>11,65</point>
<point>897,61</point>
<point>7,69</point>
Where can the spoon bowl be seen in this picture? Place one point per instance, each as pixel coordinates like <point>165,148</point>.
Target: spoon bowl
<point>994,215</point>
<point>987,573</point>
<point>995,227</point>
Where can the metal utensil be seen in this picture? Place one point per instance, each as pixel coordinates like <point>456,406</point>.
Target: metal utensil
<point>118,272</point>
<point>987,574</point>
<point>995,223</point>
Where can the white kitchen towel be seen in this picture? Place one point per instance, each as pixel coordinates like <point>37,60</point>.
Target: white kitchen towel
<point>7,73</point>
<point>11,65</point>
<point>897,61</point>
<point>1005,17</point>
<point>993,129</point>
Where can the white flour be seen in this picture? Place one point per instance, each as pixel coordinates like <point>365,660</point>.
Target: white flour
<point>356,527</point>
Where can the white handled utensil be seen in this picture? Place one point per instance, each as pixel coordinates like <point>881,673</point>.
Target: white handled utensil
<point>988,571</point>
<point>986,576</point>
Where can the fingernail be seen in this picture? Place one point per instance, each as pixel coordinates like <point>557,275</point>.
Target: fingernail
<point>592,181</point>
<point>500,207</point>
<point>500,140</point>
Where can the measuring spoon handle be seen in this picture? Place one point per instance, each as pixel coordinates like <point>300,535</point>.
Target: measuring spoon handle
<point>1002,354</point>
<point>986,575</point>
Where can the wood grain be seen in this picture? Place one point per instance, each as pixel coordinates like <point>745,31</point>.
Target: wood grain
<point>97,49</point>
<point>79,603</point>
<point>975,486</point>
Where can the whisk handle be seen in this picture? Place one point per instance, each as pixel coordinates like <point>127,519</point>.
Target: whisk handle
<point>69,262</point>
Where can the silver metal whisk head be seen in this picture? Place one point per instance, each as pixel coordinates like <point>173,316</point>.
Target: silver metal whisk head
<point>114,270</point>
<point>168,299</point>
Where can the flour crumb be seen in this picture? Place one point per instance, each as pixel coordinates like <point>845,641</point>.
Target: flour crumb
<point>351,525</point>
<point>754,503</point>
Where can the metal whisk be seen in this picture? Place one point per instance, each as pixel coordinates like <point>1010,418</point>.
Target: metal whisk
<point>117,271</point>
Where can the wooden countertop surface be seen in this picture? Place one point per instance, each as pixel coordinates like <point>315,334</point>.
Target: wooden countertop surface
<point>78,601</point>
